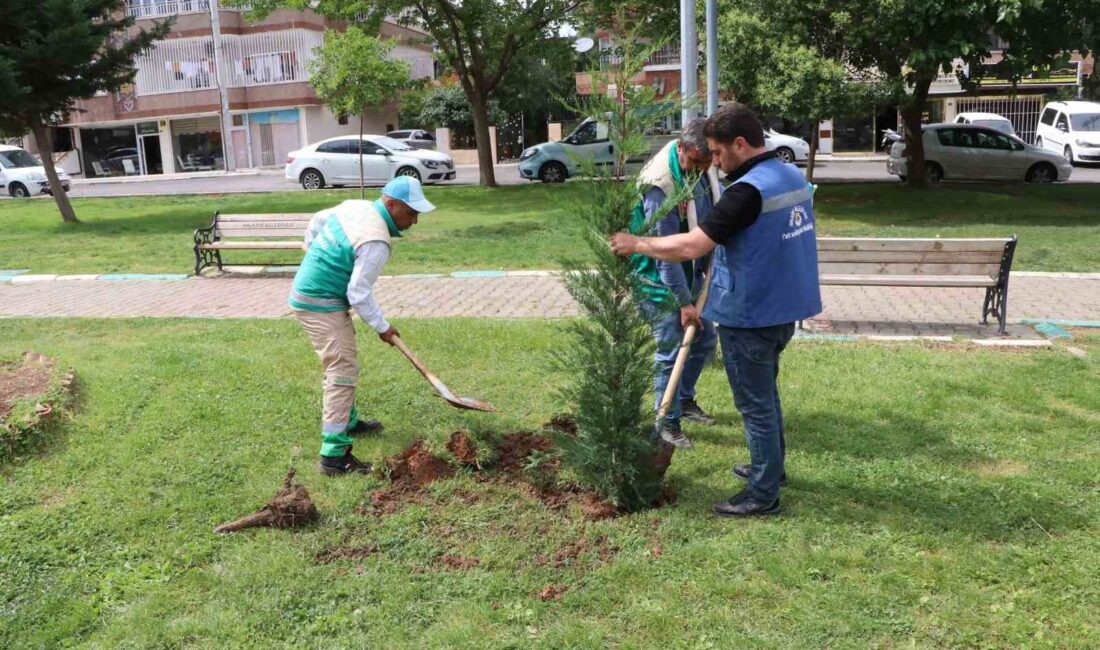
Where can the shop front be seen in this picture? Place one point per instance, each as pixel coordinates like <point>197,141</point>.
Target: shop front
<point>197,144</point>
<point>121,150</point>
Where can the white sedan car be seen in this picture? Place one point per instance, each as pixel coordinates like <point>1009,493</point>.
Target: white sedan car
<point>335,162</point>
<point>787,148</point>
<point>966,152</point>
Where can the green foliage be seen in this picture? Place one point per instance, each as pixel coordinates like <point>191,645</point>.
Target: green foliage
<point>54,53</point>
<point>447,106</point>
<point>610,357</point>
<point>353,72</point>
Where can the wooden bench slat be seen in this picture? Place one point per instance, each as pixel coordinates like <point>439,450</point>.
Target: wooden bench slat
<point>274,216</point>
<point>909,280</point>
<point>873,269</point>
<point>911,257</point>
<point>916,244</point>
<point>252,233</point>
<point>258,245</point>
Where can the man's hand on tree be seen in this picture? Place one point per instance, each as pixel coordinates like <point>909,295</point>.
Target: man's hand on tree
<point>624,244</point>
<point>389,335</point>
<point>689,315</point>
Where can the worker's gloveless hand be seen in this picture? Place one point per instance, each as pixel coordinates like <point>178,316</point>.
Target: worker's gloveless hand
<point>624,244</point>
<point>389,335</point>
<point>689,315</point>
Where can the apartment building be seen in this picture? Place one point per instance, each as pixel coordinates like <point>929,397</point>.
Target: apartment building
<point>170,119</point>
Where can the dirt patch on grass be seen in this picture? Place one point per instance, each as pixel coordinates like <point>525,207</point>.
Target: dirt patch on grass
<point>26,379</point>
<point>552,592</point>
<point>463,448</point>
<point>418,466</point>
<point>452,561</point>
<point>290,507</point>
<point>331,554</point>
<point>999,468</point>
<point>584,550</point>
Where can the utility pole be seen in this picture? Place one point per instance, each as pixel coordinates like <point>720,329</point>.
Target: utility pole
<point>223,92</point>
<point>712,56</point>
<point>689,59</point>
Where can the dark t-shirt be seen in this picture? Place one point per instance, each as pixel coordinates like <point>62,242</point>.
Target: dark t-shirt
<point>739,206</point>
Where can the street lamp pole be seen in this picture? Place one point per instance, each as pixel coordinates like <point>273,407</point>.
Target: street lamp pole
<point>689,59</point>
<point>712,56</point>
<point>222,75</point>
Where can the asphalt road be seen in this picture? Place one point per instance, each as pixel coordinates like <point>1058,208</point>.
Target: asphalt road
<point>273,180</point>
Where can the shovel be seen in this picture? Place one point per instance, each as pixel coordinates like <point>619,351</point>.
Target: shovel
<point>673,387</point>
<point>440,387</point>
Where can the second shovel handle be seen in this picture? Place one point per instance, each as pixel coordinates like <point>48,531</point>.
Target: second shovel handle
<point>412,358</point>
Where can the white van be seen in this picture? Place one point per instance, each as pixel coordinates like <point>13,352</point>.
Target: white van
<point>22,175</point>
<point>1071,129</point>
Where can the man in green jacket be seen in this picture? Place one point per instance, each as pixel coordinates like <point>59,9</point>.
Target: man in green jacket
<point>346,248</point>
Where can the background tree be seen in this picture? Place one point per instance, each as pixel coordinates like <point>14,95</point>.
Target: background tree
<point>609,360</point>
<point>910,42</point>
<point>784,59</point>
<point>479,38</point>
<point>353,73</point>
<point>55,52</point>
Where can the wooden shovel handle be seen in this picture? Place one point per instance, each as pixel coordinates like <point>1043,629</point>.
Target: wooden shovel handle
<point>416,362</point>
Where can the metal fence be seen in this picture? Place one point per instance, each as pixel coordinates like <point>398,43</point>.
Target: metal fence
<point>1022,111</point>
<point>154,8</point>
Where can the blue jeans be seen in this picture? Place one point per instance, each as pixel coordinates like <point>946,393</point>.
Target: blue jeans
<point>751,357</point>
<point>669,334</point>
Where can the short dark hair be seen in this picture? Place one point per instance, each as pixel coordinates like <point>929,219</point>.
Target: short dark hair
<point>734,121</point>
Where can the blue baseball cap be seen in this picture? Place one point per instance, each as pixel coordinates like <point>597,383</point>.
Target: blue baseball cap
<point>408,190</point>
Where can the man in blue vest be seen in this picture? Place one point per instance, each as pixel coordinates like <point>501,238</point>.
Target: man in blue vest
<point>667,291</point>
<point>346,248</point>
<point>765,279</point>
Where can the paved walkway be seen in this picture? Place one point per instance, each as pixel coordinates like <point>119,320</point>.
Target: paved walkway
<point>887,311</point>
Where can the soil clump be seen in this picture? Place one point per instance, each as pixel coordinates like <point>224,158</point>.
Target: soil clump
<point>290,507</point>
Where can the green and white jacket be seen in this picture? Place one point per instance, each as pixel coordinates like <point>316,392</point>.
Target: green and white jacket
<point>348,245</point>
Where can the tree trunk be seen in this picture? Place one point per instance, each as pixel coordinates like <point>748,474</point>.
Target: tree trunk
<point>362,184</point>
<point>815,138</point>
<point>915,167</point>
<point>479,108</point>
<point>44,138</point>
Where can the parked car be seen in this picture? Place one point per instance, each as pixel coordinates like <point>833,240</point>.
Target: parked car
<point>787,148</point>
<point>970,153</point>
<point>554,162</point>
<point>416,138</point>
<point>990,120</point>
<point>1071,129</point>
<point>335,162</point>
<point>22,175</point>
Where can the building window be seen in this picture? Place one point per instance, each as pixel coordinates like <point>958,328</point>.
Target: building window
<point>197,144</point>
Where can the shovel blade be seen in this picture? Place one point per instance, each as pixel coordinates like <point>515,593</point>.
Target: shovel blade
<point>472,404</point>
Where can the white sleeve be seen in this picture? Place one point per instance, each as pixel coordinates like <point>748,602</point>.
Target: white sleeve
<point>369,260</point>
<point>315,225</point>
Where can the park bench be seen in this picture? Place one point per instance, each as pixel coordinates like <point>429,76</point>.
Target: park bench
<point>248,232</point>
<point>962,263</point>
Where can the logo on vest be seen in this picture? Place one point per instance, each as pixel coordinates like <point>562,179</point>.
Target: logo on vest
<point>798,222</point>
<point>798,213</point>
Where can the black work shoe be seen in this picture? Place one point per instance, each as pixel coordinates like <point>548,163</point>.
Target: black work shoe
<point>743,505</point>
<point>691,411</point>
<point>672,434</point>
<point>365,427</point>
<point>742,472</point>
<point>341,465</point>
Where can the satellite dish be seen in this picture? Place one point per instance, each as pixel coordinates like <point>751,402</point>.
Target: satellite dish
<point>583,44</point>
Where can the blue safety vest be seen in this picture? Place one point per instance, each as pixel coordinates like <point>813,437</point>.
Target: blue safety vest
<point>766,274</point>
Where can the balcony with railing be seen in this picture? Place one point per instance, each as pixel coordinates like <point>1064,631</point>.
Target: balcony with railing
<point>184,64</point>
<point>164,8</point>
<point>667,55</point>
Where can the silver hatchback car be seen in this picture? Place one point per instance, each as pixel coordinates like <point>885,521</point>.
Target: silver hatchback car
<point>966,152</point>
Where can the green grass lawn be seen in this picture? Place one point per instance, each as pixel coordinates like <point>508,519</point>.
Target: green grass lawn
<point>940,497</point>
<point>525,227</point>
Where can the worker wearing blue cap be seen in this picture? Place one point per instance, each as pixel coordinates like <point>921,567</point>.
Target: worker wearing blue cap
<point>346,248</point>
